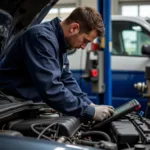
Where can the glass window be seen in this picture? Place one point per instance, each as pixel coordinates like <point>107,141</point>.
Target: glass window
<point>67,10</point>
<point>144,11</point>
<point>53,11</point>
<point>64,12</point>
<point>61,12</point>
<point>135,10</point>
<point>128,38</point>
<point>129,10</point>
<point>52,14</point>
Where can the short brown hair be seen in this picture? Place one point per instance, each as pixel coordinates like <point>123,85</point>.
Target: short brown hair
<point>88,18</point>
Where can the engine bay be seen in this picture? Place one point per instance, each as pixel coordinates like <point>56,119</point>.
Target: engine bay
<point>38,121</point>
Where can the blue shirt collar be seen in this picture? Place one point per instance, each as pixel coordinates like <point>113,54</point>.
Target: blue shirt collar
<point>59,34</point>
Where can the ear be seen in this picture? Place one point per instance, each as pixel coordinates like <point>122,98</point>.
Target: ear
<point>74,28</point>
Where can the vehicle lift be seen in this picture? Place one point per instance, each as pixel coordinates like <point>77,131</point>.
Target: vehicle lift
<point>98,60</point>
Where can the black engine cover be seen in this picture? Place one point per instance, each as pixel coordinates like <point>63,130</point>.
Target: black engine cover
<point>67,125</point>
<point>124,132</point>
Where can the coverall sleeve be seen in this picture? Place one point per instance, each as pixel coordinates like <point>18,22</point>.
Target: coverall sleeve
<point>71,84</point>
<point>43,66</point>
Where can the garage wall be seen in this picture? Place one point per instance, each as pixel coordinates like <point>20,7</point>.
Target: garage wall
<point>115,7</point>
<point>118,3</point>
<point>66,2</point>
<point>133,0</point>
<point>91,3</point>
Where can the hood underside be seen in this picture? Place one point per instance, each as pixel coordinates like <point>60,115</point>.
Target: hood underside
<point>16,15</point>
<point>22,11</point>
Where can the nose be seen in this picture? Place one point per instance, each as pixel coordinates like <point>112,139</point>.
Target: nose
<point>83,46</point>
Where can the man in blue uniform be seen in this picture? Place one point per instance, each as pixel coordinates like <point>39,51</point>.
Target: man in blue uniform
<point>36,67</point>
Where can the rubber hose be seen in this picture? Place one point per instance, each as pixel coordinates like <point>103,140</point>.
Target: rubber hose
<point>103,134</point>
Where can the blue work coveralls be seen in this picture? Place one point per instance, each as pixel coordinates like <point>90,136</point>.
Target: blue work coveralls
<point>36,68</point>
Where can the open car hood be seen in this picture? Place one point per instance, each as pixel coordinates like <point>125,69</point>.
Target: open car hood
<point>15,15</point>
<point>23,11</point>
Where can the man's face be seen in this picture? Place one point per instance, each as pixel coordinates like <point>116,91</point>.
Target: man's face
<point>75,39</point>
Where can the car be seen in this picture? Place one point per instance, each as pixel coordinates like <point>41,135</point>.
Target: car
<point>28,125</point>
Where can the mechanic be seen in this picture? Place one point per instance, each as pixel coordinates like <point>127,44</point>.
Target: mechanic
<point>36,66</point>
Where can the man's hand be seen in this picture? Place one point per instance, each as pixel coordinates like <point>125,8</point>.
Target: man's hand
<point>94,105</point>
<point>102,112</point>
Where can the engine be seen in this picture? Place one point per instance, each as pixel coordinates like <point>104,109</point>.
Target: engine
<point>58,126</point>
<point>40,122</point>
